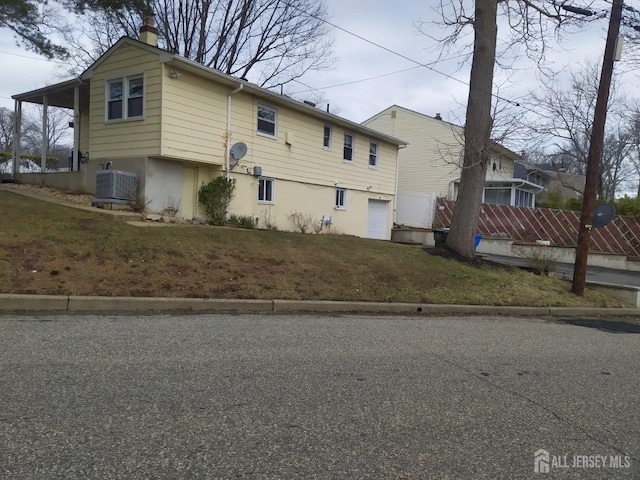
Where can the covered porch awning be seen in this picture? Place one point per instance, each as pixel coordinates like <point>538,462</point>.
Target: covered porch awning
<point>58,95</point>
<point>513,182</point>
<point>72,94</point>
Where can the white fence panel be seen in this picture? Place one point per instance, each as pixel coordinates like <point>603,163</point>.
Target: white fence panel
<point>416,210</point>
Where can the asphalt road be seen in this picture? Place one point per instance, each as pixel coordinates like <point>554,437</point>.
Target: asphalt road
<point>297,397</point>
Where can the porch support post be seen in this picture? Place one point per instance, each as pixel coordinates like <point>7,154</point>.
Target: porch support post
<point>45,136</point>
<point>17,129</point>
<point>76,127</point>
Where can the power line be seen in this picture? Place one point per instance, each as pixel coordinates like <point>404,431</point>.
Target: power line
<point>354,81</point>
<point>31,58</point>
<point>371,78</point>
<point>401,55</point>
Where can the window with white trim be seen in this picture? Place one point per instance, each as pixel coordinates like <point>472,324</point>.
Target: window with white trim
<point>267,120</point>
<point>265,190</point>
<point>373,154</point>
<point>327,138</point>
<point>347,154</point>
<point>341,197</point>
<point>497,196</point>
<point>524,198</point>
<point>125,98</point>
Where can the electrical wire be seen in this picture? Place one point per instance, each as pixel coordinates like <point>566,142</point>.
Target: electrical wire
<point>32,58</point>
<point>371,78</point>
<point>412,60</point>
<point>401,55</point>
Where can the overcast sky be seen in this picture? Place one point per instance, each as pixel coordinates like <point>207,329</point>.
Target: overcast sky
<point>381,21</point>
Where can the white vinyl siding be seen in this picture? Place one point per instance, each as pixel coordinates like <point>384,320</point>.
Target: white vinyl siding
<point>139,136</point>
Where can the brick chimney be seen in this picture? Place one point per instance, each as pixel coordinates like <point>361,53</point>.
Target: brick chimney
<point>149,33</point>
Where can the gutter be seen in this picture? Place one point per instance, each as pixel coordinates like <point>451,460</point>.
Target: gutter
<point>228,152</point>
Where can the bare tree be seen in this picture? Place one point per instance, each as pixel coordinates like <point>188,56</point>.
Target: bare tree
<point>564,123</point>
<point>269,41</point>
<point>633,130</point>
<point>56,135</point>
<point>529,24</point>
<point>616,166</point>
<point>6,129</point>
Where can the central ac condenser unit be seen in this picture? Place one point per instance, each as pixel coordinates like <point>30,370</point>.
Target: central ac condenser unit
<point>116,186</point>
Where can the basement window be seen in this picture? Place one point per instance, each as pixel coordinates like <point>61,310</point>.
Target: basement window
<point>265,190</point>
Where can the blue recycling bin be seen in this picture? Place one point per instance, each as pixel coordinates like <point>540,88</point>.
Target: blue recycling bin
<point>477,242</point>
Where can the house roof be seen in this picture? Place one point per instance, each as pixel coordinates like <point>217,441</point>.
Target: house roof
<point>535,168</point>
<point>65,89</point>
<point>496,147</point>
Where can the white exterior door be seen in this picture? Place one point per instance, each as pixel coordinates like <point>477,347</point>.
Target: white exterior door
<point>377,219</point>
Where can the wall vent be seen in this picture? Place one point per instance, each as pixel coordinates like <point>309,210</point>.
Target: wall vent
<point>116,186</point>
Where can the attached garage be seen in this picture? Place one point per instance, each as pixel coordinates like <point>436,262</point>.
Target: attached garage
<point>377,219</point>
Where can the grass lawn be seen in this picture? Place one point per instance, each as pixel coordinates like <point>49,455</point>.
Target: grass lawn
<point>52,249</point>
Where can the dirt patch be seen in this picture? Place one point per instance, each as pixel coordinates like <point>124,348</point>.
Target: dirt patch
<point>73,197</point>
<point>475,261</point>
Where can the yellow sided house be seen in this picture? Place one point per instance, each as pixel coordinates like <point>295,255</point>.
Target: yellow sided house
<point>429,167</point>
<point>147,117</point>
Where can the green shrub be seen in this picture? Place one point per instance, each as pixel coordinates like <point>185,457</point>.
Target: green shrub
<point>242,221</point>
<point>552,200</point>
<point>574,204</point>
<point>627,206</point>
<point>215,197</point>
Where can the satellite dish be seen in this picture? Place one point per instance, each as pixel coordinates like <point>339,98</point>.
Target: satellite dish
<point>603,214</point>
<point>238,150</point>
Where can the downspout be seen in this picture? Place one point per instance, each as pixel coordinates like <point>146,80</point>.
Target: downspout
<point>228,153</point>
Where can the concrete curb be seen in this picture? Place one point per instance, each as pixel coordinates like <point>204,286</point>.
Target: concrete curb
<point>30,303</point>
<point>48,303</point>
<point>155,304</point>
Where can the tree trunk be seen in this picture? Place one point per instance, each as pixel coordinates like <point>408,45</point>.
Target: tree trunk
<point>477,130</point>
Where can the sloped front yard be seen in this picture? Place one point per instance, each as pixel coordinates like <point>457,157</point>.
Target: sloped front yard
<point>52,249</point>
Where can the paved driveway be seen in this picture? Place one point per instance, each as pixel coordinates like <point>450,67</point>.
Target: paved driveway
<point>565,270</point>
<point>235,396</point>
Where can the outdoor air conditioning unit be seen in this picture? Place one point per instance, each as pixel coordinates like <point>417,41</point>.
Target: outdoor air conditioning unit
<point>116,186</point>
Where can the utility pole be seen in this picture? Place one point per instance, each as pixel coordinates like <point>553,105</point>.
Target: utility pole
<point>595,152</point>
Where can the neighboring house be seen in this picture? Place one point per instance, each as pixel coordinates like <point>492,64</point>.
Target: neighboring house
<point>568,185</point>
<point>429,166</point>
<point>177,124</point>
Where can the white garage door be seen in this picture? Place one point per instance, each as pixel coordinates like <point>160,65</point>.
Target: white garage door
<point>377,220</point>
